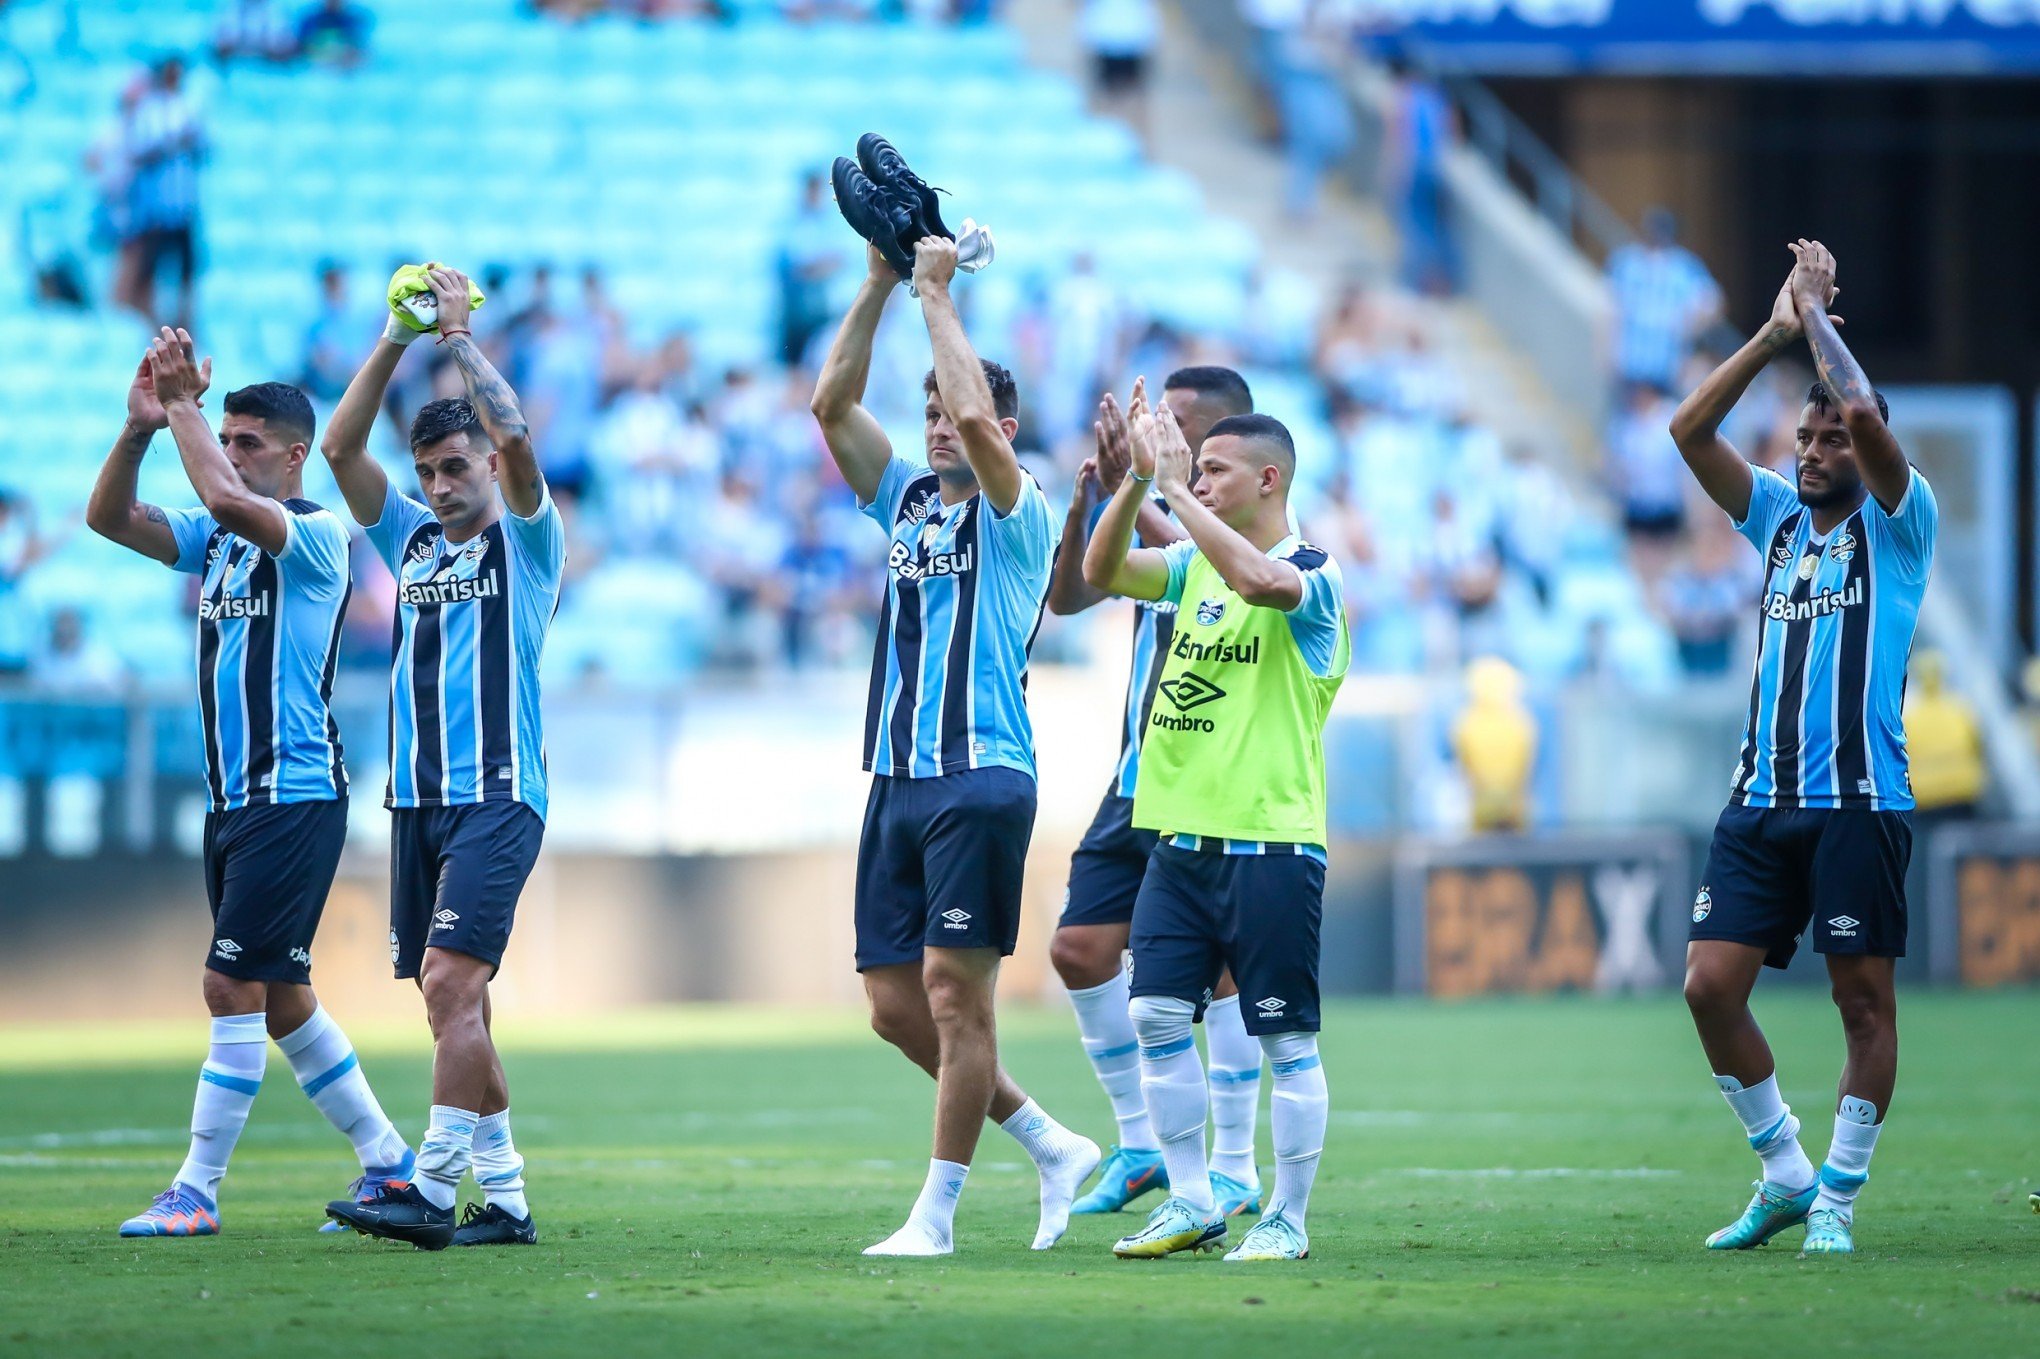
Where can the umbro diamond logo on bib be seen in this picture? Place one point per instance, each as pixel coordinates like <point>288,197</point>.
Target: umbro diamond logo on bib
<point>1190,691</point>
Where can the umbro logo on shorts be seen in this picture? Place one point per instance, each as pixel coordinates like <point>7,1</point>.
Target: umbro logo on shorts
<point>956,917</point>
<point>226,948</point>
<point>1844,925</point>
<point>443,920</point>
<point>1271,1006</point>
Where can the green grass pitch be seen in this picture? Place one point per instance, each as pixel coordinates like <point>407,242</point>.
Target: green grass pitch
<point>1503,1178</point>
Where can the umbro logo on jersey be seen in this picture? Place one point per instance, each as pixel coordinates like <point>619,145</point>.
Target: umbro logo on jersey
<point>956,918</point>
<point>1781,556</point>
<point>226,948</point>
<point>1210,611</point>
<point>1271,1006</point>
<point>1190,691</point>
<point>424,550</point>
<point>1844,925</point>
<point>444,920</point>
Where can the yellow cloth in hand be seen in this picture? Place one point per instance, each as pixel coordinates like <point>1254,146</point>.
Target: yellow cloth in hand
<point>410,296</point>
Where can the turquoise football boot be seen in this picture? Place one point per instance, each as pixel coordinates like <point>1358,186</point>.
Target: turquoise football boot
<point>1124,1177</point>
<point>1233,1197</point>
<point>1175,1226</point>
<point>1827,1233</point>
<point>1771,1211</point>
<point>1272,1238</point>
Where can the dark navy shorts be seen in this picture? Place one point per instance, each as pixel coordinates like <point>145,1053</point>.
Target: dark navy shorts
<point>1106,870</point>
<point>1202,911</point>
<point>268,870</point>
<point>1773,871</point>
<point>939,864</point>
<point>455,876</point>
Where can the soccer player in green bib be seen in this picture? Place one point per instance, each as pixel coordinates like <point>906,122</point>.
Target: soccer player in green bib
<point>1233,780</point>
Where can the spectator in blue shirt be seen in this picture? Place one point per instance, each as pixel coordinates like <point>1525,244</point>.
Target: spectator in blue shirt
<point>335,32</point>
<point>1664,299</point>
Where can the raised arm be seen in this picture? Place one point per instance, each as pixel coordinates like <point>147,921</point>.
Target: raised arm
<point>180,381</point>
<point>113,512</point>
<point>363,483</point>
<point>1111,562</point>
<point>1878,456</point>
<point>856,440</point>
<point>960,379</point>
<point>1097,479</point>
<point>495,404</point>
<point>1696,426</point>
<point>1253,575</point>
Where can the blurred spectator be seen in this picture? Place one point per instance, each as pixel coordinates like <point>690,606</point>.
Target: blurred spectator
<point>1119,37</point>
<point>811,251</point>
<point>1664,298</point>
<point>254,30</point>
<point>563,378</point>
<point>1533,512</point>
<point>1706,597</point>
<point>21,547</point>
<point>1495,740</point>
<point>336,338</point>
<point>1943,743</point>
<point>1648,474</point>
<point>166,142</point>
<point>108,160</point>
<point>1460,573</point>
<point>1306,49</point>
<point>335,32</point>
<point>72,662</point>
<point>741,546</point>
<point>655,464</point>
<point>1423,126</point>
<point>818,595</point>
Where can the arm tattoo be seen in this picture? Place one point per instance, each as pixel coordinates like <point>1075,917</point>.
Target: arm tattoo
<point>154,514</point>
<point>1839,370</point>
<point>494,402</point>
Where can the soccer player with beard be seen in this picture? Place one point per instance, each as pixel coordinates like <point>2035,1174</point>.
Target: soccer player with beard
<point>947,737</point>
<point>1106,870</point>
<point>1818,830</point>
<point>478,566</point>
<point>273,572</point>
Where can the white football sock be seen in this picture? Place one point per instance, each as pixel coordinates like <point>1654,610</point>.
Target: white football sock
<point>330,1075</point>
<point>1773,1131</point>
<point>1848,1160</point>
<point>445,1154</point>
<point>1297,1114</point>
<point>1064,1159</point>
<point>1234,1062</point>
<point>227,1085</point>
<point>1172,1082</point>
<point>499,1170</point>
<point>1107,1032</point>
<point>931,1227</point>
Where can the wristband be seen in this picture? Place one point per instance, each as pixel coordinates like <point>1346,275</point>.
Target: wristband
<point>445,335</point>
<point>1147,480</point>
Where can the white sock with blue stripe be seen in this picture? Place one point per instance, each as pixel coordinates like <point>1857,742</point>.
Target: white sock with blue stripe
<point>1107,1031</point>
<point>330,1075</point>
<point>1847,1166</point>
<point>499,1170</point>
<point>1297,1114</point>
<point>1172,1083</point>
<point>1772,1130</point>
<point>227,1086</point>
<point>1234,1062</point>
<point>445,1154</point>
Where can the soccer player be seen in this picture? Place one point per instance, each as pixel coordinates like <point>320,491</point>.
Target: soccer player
<point>1106,870</point>
<point>273,570</point>
<point>1233,779</point>
<point>1818,829</point>
<point>947,737</point>
<point>478,578</point>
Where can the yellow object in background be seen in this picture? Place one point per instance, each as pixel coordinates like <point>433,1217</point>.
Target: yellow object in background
<point>1943,741</point>
<point>1495,739</point>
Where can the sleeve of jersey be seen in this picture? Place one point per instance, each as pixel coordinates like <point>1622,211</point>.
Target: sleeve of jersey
<point>541,542</point>
<point>1319,615</point>
<point>1910,530</point>
<point>1176,556</point>
<point>401,516</point>
<point>314,550</point>
<point>1771,499</point>
<point>892,487</point>
<point>1027,532</point>
<point>191,530</point>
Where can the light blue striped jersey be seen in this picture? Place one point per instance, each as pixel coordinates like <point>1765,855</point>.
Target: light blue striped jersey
<point>1825,727</point>
<point>465,722</point>
<point>1154,622</point>
<point>1316,623</point>
<point>268,642</point>
<point>963,595</point>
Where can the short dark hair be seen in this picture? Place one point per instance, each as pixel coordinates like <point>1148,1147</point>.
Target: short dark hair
<point>281,406</point>
<point>1005,391</point>
<point>443,419</point>
<point>1259,428</point>
<point>1221,385</point>
<point>1819,396</point>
